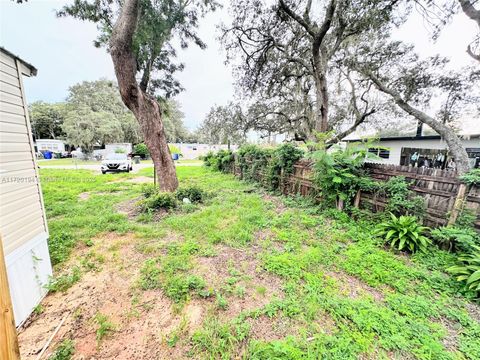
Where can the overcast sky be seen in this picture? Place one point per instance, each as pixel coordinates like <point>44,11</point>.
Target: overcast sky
<point>63,53</point>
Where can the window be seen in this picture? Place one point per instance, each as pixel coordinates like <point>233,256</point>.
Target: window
<point>383,153</point>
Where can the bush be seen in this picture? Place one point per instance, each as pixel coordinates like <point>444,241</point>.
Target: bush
<point>220,161</point>
<point>453,238</point>
<point>472,177</point>
<point>467,270</point>
<point>141,150</point>
<point>283,159</point>
<point>338,174</point>
<point>400,199</point>
<point>148,190</point>
<point>404,233</point>
<point>252,160</point>
<point>192,193</point>
<point>166,201</point>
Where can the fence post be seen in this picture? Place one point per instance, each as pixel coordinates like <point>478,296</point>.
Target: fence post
<point>457,206</point>
<point>8,340</point>
<point>356,202</point>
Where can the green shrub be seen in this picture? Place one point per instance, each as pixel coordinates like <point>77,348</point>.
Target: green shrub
<point>467,270</point>
<point>453,238</point>
<point>219,161</point>
<point>64,351</point>
<point>338,173</point>
<point>178,287</point>
<point>283,158</point>
<point>400,199</point>
<point>166,201</point>
<point>141,150</point>
<point>149,189</point>
<point>192,193</point>
<point>253,160</point>
<point>404,233</point>
<point>472,177</point>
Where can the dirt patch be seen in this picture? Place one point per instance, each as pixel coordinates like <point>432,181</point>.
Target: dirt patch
<point>84,196</point>
<point>453,328</point>
<point>474,311</point>
<point>354,288</point>
<point>142,320</point>
<point>243,268</point>
<point>276,201</point>
<point>140,180</point>
<point>129,208</point>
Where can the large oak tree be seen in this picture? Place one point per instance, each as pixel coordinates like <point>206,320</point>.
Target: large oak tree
<point>297,40</point>
<point>138,34</point>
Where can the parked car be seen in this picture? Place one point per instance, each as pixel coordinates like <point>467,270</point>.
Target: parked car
<point>116,162</point>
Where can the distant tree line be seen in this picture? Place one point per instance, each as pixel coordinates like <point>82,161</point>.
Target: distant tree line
<point>94,114</point>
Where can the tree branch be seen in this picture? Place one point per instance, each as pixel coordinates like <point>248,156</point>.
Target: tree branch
<point>302,21</point>
<point>455,145</point>
<point>470,11</point>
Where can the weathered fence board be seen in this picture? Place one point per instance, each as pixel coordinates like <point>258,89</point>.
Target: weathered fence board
<point>439,188</point>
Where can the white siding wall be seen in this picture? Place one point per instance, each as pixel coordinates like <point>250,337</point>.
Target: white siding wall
<point>23,224</point>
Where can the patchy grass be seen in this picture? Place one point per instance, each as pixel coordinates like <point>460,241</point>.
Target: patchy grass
<point>243,274</point>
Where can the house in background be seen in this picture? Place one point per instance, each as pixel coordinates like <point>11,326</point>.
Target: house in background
<point>194,151</point>
<point>23,224</point>
<point>419,150</point>
<point>52,145</point>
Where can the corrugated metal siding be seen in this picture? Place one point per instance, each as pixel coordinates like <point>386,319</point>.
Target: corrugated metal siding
<point>21,211</point>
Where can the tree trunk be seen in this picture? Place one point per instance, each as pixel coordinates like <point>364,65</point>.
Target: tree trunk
<point>474,14</point>
<point>321,93</point>
<point>453,141</point>
<point>145,108</point>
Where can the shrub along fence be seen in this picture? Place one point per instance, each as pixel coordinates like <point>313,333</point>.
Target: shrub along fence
<point>445,196</point>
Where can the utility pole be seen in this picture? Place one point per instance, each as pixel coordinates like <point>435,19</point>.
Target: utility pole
<point>8,333</point>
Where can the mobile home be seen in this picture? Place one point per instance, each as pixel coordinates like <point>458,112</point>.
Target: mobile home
<point>23,224</point>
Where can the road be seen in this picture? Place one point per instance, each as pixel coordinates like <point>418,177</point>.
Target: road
<point>96,167</point>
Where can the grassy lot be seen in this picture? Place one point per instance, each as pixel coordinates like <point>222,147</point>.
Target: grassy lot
<point>245,274</point>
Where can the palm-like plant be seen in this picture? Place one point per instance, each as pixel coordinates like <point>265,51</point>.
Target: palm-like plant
<point>404,232</point>
<point>468,270</point>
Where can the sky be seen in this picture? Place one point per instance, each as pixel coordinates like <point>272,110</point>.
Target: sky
<point>62,50</point>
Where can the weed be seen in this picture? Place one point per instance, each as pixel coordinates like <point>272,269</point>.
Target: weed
<point>220,302</point>
<point>64,282</point>
<point>261,290</point>
<point>37,310</point>
<point>105,327</point>
<point>64,351</point>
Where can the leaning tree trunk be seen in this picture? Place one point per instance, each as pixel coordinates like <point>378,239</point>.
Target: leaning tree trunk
<point>451,138</point>
<point>145,108</point>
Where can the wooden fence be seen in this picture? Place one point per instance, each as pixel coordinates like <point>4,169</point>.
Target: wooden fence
<point>443,193</point>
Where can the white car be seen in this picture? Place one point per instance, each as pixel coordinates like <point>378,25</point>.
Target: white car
<point>116,162</point>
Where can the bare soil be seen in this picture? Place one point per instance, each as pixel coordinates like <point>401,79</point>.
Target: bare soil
<point>142,319</point>
<point>145,320</point>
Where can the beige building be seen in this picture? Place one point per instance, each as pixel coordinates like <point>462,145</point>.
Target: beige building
<point>23,224</point>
